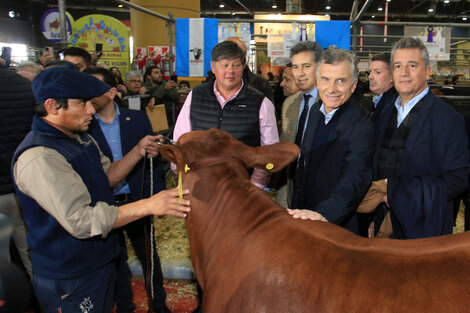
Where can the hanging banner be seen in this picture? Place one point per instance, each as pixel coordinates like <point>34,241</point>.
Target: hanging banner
<point>193,51</point>
<point>436,39</point>
<point>336,33</point>
<point>50,25</point>
<point>108,31</point>
<point>240,30</point>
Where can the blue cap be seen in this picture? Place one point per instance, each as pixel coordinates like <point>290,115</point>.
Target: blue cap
<point>66,83</point>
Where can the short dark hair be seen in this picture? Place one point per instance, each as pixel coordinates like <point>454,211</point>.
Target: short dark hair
<point>62,63</point>
<point>149,70</point>
<point>289,64</point>
<point>384,57</point>
<point>40,110</point>
<point>227,50</point>
<point>108,77</point>
<point>307,46</point>
<point>184,82</point>
<point>78,52</point>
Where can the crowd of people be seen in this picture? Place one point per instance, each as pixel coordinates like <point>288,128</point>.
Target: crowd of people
<point>78,157</point>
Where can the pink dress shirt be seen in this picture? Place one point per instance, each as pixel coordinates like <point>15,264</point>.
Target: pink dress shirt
<point>267,122</point>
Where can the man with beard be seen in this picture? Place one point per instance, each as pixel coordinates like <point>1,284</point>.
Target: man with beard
<point>162,91</point>
<point>63,184</point>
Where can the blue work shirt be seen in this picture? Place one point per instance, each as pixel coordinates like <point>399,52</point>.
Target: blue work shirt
<point>112,133</point>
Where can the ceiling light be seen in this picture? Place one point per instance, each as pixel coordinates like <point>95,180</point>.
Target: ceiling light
<point>327,7</point>
<point>221,5</point>
<point>379,9</point>
<point>430,10</point>
<point>446,1</point>
<point>120,6</point>
<point>327,15</point>
<point>389,0</point>
<point>12,14</point>
<point>233,13</point>
<point>274,6</point>
<point>373,16</point>
<point>464,18</point>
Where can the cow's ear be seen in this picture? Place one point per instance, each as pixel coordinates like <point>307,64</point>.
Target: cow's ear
<point>172,154</point>
<point>274,157</point>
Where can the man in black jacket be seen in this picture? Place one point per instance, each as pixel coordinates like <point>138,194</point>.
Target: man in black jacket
<point>381,83</point>
<point>334,170</point>
<point>16,113</point>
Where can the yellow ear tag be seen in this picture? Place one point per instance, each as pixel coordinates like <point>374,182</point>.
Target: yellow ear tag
<point>180,187</point>
<point>186,168</point>
<point>269,166</point>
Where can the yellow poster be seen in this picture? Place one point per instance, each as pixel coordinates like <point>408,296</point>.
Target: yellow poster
<point>108,31</point>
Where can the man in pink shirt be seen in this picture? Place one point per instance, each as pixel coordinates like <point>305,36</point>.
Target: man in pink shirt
<point>228,103</point>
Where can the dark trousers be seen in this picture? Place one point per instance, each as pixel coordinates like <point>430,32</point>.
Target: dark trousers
<point>92,291</point>
<point>135,233</point>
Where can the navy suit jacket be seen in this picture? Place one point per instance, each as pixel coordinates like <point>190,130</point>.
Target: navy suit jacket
<point>433,170</point>
<point>388,98</point>
<point>344,173</point>
<point>134,126</point>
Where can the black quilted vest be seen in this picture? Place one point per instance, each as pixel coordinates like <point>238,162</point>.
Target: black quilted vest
<point>239,117</point>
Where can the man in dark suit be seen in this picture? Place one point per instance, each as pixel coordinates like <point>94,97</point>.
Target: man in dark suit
<point>117,130</point>
<point>421,154</point>
<point>381,83</point>
<point>334,169</point>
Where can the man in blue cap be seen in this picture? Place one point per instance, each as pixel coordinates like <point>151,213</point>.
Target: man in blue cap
<point>63,183</point>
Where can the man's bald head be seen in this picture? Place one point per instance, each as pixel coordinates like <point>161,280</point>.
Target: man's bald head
<point>239,42</point>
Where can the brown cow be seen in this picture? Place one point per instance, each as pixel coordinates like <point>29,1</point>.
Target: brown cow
<point>250,256</point>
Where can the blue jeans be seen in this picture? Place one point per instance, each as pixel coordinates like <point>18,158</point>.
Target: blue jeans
<point>92,293</point>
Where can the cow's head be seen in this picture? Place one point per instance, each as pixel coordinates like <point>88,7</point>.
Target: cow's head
<point>199,145</point>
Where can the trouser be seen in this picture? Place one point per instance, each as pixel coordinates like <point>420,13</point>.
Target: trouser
<point>10,207</point>
<point>91,293</point>
<point>136,234</point>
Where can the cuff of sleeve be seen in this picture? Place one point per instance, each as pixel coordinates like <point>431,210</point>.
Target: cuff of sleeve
<point>330,216</point>
<point>104,220</point>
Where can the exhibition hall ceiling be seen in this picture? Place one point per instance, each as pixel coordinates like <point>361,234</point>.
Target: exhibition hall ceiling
<point>398,10</point>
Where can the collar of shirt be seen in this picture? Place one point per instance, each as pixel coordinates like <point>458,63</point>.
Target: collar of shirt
<point>221,99</point>
<point>407,107</point>
<point>116,117</point>
<point>328,116</point>
<point>314,95</point>
<point>376,99</point>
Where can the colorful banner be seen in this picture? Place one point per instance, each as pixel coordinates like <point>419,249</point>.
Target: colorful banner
<point>193,51</point>
<point>336,33</point>
<point>50,25</point>
<point>110,32</point>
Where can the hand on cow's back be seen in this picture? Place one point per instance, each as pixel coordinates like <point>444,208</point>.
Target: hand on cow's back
<point>307,215</point>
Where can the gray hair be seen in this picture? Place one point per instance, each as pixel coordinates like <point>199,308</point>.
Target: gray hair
<point>411,43</point>
<point>333,55</point>
<point>20,67</point>
<point>134,73</point>
<point>307,46</point>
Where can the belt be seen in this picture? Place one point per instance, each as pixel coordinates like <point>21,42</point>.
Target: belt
<point>121,198</point>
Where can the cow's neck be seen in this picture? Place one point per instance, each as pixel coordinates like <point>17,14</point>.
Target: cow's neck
<point>224,207</point>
